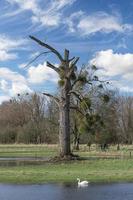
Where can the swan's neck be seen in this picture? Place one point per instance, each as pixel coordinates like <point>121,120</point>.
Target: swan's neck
<point>78,180</point>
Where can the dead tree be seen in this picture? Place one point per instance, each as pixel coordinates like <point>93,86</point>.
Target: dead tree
<point>66,72</point>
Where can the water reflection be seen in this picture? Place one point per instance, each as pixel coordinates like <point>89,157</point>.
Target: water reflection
<point>65,192</point>
<point>22,161</point>
<point>6,162</point>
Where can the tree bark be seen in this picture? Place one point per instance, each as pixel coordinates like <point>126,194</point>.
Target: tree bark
<point>64,114</point>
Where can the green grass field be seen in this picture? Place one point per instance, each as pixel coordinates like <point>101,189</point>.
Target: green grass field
<point>20,150</point>
<point>109,166</point>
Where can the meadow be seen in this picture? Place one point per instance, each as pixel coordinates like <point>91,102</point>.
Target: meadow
<point>96,165</point>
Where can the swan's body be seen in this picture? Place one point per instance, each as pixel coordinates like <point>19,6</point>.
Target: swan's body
<point>82,183</point>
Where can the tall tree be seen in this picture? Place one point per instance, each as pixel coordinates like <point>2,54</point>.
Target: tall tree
<point>72,83</point>
<point>66,72</point>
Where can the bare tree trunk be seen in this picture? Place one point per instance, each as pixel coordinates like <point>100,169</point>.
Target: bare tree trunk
<point>64,129</point>
<point>76,138</point>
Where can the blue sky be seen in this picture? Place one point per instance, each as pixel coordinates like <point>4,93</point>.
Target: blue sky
<point>99,31</point>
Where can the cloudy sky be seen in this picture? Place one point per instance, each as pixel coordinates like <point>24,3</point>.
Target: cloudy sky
<point>99,31</point>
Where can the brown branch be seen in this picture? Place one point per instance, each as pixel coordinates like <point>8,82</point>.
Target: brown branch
<point>74,62</point>
<point>72,65</point>
<point>48,47</point>
<point>52,67</point>
<point>66,55</point>
<point>51,96</point>
<point>71,59</point>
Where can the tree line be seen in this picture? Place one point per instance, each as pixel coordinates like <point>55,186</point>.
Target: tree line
<point>33,118</point>
<point>28,119</point>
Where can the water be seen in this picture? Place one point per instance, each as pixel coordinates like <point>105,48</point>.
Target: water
<point>67,192</point>
<point>22,161</point>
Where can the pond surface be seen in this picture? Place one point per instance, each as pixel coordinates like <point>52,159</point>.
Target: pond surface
<point>22,161</point>
<point>67,192</point>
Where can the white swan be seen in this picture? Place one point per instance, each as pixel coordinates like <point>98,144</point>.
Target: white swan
<point>82,183</point>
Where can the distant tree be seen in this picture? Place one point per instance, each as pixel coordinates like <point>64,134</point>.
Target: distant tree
<point>52,121</point>
<point>107,132</point>
<point>125,118</point>
<point>87,118</point>
<point>26,117</point>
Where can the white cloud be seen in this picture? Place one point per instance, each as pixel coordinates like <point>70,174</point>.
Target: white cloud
<point>22,66</point>
<point>115,65</point>
<point>25,4</point>
<point>7,74</point>
<point>128,76</point>
<point>59,4</point>
<point>19,88</point>
<point>97,22</point>
<point>122,44</point>
<point>50,15</point>
<point>41,73</point>
<point>53,15</point>
<point>4,98</point>
<point>122,86</point>
<point>126,89</point>
<point>73,20</point>
<point>12,82</point>
<point>47,20</point>
<point>5,55</point>
<point>4,85</point>
<point>7,45</point>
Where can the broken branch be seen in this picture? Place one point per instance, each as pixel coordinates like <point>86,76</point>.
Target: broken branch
<point>48,47</point>
<point>51,96</point>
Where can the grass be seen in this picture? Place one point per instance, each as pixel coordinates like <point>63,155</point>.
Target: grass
<point>94,170</point>
<point>21,150</point>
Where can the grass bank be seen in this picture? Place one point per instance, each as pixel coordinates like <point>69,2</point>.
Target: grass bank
<point>102,170</point>
<point>100,167</point>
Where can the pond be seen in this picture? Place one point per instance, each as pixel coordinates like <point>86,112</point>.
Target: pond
<point>67,192</point>
<point>22,161</point>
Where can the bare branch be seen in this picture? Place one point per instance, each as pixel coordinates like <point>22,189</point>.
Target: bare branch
<point>52,67</point>
<point>74,62</point>
<point>46,52</point>
<point>72,65</point>
<point>51,96</point>
<point>71,59</point>
<point>48,47</point>
<point>66,55</point>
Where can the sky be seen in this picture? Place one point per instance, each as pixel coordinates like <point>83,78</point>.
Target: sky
<point>100,32</point>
